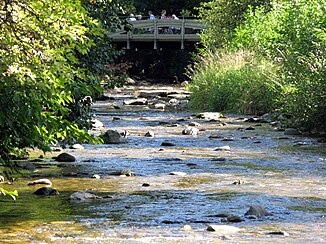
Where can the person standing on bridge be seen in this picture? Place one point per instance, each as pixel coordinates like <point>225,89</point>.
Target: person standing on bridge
<point>163,14</point>
<point>151,15</point>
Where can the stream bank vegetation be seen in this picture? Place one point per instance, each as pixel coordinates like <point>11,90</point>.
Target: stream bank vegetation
<point>264,57</point>
<point>52,67</point>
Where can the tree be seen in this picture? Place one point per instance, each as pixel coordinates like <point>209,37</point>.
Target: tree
<point>41,76</point>
<point>222,17</point>
<point>172,6</point>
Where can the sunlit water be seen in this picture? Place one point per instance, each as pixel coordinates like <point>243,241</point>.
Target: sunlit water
<point>286,176</point>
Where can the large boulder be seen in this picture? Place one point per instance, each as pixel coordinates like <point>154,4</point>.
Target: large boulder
<point>46,191</point>
<point>65,157</point>
<point>113,137</point>
<point>257,211</point>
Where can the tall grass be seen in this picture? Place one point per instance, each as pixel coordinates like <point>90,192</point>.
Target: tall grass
<point>237,81</point>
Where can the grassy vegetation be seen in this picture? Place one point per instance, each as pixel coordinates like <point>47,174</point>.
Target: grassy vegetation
<point>233,81</point>
<point>283,65</point>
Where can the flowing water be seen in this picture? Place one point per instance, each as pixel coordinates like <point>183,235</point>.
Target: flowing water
<point>283,174</point>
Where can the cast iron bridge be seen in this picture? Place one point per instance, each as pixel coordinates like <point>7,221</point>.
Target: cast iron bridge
<point>159,31</point>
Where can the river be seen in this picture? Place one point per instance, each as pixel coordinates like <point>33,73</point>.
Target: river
<point>177,191</point>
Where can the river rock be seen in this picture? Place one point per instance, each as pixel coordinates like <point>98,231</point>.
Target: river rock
<point>149,134</point>
<point>209,115</point>
<point>96,124</point>
<point>124,172</point>
<point>83,196</point>
<point>138,101</point>
<point>250,128</point>
<point>190,131</point>
<point>257,211</point>
<point>65,157</point>
<point>238,182</point>
<point>2,179</point>
<point>167,144</point>
<point>178,173</point>
<point>113,137</point>
<point>223,148</point>
<point>281,233</point>
<point>159,106</point>
<point>223,229</point>
<point>234,219</point>
<point>26,165</point>
<point>77,147</point>
<point>292,132</point>
<point>96,176</point>
<point>218,159</point>
<point>186,228</point>
<point>56,149</point>
<point>46,191</point>
<point>41,182</point>
<point>194,124</point>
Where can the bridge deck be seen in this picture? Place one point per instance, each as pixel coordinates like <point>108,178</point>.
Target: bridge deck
<point>158,30</point>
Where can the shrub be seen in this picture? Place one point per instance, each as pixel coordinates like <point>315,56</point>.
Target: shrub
<point>233,81</point>
<point>294,35</point>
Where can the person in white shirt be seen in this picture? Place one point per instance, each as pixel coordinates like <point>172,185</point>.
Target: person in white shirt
<point>151,15</point>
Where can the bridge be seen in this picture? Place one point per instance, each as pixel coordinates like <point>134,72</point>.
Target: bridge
<point>159,30</point>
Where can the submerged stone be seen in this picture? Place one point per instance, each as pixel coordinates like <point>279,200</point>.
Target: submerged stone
<point>281,233</point>
<point>124,172</point>
<point>258,211</point>
<point>167,144</point>
<point>83,196</point>
<point>234,219</point>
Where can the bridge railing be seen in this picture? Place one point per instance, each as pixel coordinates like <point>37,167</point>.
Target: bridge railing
<point>158,30</point>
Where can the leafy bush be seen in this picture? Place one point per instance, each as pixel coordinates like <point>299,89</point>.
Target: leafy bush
<point>294,35</point>
<point>235,81</point>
